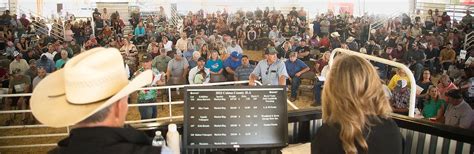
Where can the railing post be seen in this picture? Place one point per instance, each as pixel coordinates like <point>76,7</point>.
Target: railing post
<point>169,104</point>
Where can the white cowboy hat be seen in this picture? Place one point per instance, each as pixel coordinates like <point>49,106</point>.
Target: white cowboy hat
<point>350,39</point>
<point>88,83</point>
<point>335,34</point>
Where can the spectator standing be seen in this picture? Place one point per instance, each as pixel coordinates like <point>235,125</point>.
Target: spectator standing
<point>177,69</point>
<point>148,96</point>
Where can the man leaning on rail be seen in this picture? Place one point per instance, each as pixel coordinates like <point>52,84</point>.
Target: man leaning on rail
<point>91,93</point>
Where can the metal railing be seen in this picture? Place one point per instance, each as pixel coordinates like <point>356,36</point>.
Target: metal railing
<point>468,40</point>
<point>169,118</point>
<point>411,108</point>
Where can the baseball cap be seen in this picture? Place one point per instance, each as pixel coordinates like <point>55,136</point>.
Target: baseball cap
<point>272,50</point>
<point>146,58</point>
<point>293,54</point>
<point>235,54</point>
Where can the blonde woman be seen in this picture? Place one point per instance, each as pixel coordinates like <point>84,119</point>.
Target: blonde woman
<point>355,112</point>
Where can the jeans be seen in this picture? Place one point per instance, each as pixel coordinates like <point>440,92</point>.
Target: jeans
<point>295,84</point>
<point>317,90</point>
<point>147,112</point>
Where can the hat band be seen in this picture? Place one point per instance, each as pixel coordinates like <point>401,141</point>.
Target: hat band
<point>72,103</point>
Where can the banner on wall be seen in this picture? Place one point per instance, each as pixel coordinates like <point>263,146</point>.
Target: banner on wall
<point>342,7</point>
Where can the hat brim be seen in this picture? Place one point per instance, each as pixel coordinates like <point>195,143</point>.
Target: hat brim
<point>50,107</point>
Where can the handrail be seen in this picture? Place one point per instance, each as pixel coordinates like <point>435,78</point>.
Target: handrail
<point>170,118</point>
<point>411,109</point>
<point>468,39</point>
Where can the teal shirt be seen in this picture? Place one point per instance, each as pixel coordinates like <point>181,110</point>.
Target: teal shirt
<point>60,63</point>
<point>431,107</point>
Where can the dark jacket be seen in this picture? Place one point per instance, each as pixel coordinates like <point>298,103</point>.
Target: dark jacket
<point>384,137</point>
<point>106,140</point>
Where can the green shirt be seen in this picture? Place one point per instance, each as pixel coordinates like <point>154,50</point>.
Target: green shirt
<point>148,96</point>
<point>431,107</point>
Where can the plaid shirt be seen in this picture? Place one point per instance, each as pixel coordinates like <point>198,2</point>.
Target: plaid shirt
<point>401,98</point>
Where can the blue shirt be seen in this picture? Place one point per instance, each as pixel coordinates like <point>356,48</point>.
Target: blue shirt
<point>214,65</point>
<point>48,65</point>
<point>139,31</point>
<point>232,64</point>
<point>270,73</point>
<point>294,67</point>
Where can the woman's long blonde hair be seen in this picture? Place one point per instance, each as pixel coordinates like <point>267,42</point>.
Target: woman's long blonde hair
<point>353,92</point>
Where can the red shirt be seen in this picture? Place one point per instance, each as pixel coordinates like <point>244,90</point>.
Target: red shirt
<point>324,42</point>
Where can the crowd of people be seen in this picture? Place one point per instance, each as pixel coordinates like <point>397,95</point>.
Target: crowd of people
<point>209,47</point>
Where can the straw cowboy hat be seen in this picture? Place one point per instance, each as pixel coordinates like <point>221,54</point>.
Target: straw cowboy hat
<point>350,39</point>
<point>88,83</point>
<point>335,34</point>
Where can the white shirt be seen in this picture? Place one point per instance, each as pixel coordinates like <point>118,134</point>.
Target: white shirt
<point>237,48</point>
<point>50,55</point>
<point>193,73</point>
<point>168,46</point>
<point>182,44</point>
<point>460,115</point>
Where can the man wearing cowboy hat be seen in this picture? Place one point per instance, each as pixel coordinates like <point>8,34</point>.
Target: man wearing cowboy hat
<point>335,42</point>
<point>352,44</point>
<point>18,63</point>
<point>91,93</point>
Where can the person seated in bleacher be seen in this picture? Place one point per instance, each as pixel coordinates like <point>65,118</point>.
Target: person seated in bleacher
<point>433,107</point>
<point>139,33</point>
<point>270,70</point>
<point>242,72</point>
<point>458,112</point>
<point>400,75</point>
<point>401,97</point>
<point>130,53</point>
<point>445,84</point>
<point>295,68</point>
<point>231,64</point>
<point>216,67</point>
<point>46,63</point>
<point>356,117</point>
<point>199,74</point>
<point>161,61</point>
<point>18,63</point>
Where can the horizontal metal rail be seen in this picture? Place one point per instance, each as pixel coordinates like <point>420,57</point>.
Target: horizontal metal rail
<point>411,109</point>
<point>167,118</point>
